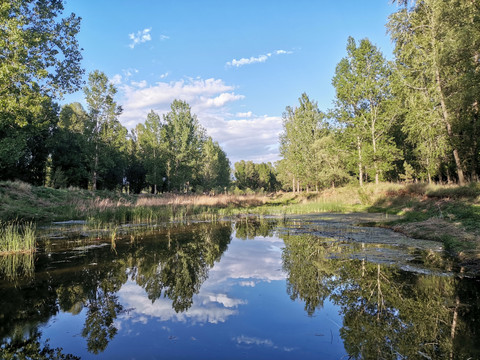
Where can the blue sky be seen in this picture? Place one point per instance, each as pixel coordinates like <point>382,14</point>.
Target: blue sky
<point>238,64</point>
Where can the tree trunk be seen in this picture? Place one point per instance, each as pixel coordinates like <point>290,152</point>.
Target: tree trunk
<point>95,167</point>
<point>360,167</point>
<point>446,120</point>
<point>374,146</point>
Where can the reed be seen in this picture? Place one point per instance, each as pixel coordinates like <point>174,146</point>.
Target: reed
<point>17,237</point>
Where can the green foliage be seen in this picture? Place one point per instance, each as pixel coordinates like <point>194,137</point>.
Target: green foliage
<point>215,171</point>
<point>365,106</point>
<point>183,138</point>
<point>255,177</point>
<point>109,137</point>
<point>39,61</point>
<point>302,126</point>
<point>436,48</point>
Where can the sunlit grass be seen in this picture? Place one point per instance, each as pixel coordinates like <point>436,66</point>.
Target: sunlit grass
<point>17,238</point>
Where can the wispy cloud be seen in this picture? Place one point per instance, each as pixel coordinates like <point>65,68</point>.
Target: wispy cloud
<point>257,59</point>
<point>247,114</point>
<point>141,36</point>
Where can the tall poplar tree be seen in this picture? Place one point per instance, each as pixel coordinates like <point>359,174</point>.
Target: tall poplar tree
<point>302,126</point>
<point>184,137</point>
<point>436,47</point>
<point>103,112</point>
<point>362,86</point>
<point>153,149</point>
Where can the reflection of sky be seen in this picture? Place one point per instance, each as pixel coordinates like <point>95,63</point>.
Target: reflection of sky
<point>241,311</point>
<point>245,263</point>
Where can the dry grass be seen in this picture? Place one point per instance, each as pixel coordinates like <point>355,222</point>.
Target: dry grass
<point>202,200</point>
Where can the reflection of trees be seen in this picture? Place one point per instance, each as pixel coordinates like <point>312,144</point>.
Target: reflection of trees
<point>387,313</point>
<point>178,267</point>
<point>248,228</point>
<point>32,349</point>
<point>174,262</point>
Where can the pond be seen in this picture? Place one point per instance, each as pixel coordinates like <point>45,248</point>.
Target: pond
<point>301,287</point>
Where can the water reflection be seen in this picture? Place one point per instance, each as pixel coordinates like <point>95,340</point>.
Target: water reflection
<point>180,293</point>
<point>387,312</point>
<point>171,264</point>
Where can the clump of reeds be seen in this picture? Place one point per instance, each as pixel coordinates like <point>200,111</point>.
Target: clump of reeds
<point>17,237</point>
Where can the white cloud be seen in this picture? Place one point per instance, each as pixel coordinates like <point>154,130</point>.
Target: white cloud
<point>283,52</point>
<point>164,75</point>
<point>141,36</point>
<point>139,84</point>
<point>116,79</point>
<point>253,59</point>
<point>164,37</point>
<point>222,99</point>
<point>255,138</point>
<point>247,114</point>
<point>243,136</point>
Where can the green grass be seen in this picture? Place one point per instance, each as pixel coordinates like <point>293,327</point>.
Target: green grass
<point>17,238</point>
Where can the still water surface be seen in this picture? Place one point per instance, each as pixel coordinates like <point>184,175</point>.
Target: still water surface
<point>298,288</point>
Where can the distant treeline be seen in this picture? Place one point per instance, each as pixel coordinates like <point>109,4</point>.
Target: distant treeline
<point>413,118</point>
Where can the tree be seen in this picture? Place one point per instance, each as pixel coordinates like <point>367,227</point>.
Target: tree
<point>362,85</point>
<point>436,48</point>
<point>152,149</point>
<point>135,172</point>
<point>70,148</point>
<point>215,171</point>
<point>40,55</point>
<point>301,127</point>
<point>103,112</point>
<point>39,61</point>
<point>184,137</point>
<point>330,159</point>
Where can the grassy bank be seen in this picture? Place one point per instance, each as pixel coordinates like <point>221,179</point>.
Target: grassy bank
<point>450,214</point>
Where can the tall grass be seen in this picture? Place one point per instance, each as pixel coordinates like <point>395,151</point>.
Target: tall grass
<point>17,238</point>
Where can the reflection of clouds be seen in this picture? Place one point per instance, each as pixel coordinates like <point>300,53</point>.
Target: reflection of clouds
<point>249,262</point>
<point>225,300</point>
<point>205,308</point>
<point>246,263</point>
<point>247,340</point>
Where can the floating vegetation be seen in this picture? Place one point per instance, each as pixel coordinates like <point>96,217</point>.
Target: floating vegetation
<point>17,237</point>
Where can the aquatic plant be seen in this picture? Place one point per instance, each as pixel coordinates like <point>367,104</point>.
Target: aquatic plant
<point>17,237</point>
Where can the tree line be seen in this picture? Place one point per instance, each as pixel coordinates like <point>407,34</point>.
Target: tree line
<point>413,118</point>
<point>92,149</point>
<point>43,144</point>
